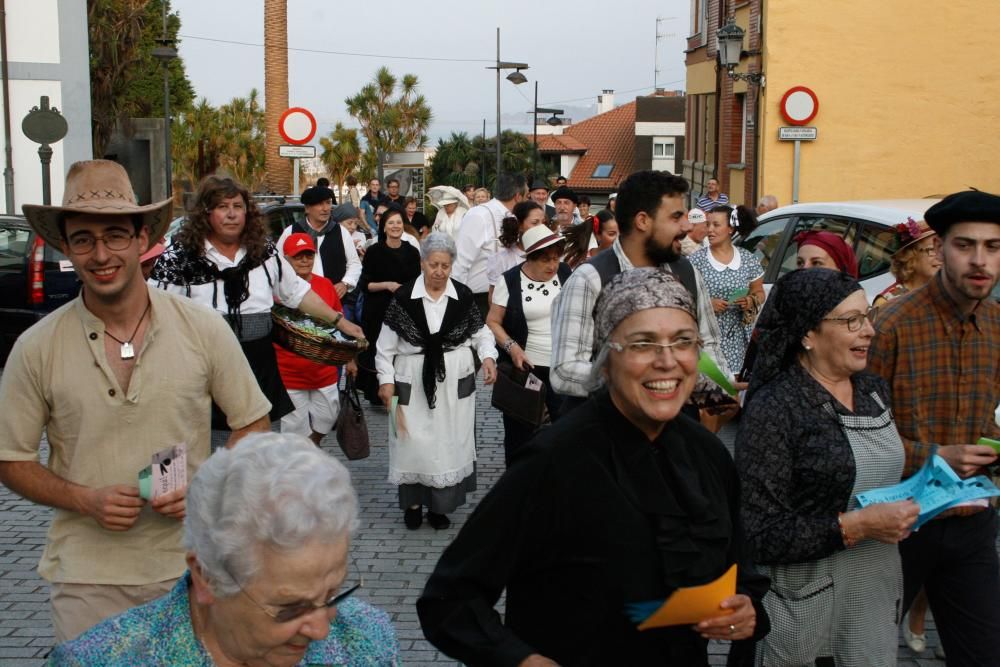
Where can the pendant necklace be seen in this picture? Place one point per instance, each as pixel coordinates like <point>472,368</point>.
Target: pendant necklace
<point>127,351</point>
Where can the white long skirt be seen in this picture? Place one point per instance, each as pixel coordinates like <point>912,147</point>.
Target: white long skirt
<point>438,448</point>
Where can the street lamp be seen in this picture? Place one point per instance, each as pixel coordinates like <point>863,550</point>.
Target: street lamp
<point>554,121</point>
<point>166,52</point>
<point>514,77</point>
<point>730,47</point>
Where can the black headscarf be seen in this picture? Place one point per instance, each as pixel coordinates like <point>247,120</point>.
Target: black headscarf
<point>797,304</point>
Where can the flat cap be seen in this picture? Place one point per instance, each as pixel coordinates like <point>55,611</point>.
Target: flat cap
<point>965,206</point>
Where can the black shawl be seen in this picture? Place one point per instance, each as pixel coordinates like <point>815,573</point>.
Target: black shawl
<point>178,266</point>
<point>406,317</point>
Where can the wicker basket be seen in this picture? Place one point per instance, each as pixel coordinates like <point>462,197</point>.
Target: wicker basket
<point>322,350</point>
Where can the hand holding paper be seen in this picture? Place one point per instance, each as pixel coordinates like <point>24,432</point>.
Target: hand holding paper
<point>687,606</point>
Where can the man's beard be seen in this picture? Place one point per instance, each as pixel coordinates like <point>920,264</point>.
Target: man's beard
<point>662,254</point>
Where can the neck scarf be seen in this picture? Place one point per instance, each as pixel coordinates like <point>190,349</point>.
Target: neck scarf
<point>407,318</point>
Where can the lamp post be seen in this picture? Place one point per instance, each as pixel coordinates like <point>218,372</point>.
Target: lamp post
<point>514,77</point>
<point>729,39</point>
<point>166,52</point>
<point>554,122</point>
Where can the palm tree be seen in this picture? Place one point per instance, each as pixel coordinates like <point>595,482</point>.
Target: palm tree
<point>243,157</point>
<point>341,153</point>
<point>279,170</point>
<point>390,124</point>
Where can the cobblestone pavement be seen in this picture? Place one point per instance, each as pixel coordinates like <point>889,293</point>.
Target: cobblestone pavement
<point>395,562</point>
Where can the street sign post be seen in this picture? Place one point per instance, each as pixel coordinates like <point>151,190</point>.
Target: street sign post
<point>297,126</point>
<point>45,125</point>
<point>799,105</point>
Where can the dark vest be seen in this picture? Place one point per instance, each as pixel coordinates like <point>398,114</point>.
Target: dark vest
<point>607,266</point>
<point>332,256</point>
<point>514,322</point>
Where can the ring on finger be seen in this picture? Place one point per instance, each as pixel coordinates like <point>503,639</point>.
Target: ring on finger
<point>732,629</point>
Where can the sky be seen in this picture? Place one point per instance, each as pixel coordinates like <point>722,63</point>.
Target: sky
<point>573,49</point>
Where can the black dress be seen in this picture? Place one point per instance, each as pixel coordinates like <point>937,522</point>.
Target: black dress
<point>589,517</point>
<point>381,264</point>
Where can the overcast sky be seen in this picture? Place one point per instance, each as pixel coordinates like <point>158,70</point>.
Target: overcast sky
<point>574,49</point>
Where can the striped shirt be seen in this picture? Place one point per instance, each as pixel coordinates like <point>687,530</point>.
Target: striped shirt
<point>942,367</point>
<point>706,203</point>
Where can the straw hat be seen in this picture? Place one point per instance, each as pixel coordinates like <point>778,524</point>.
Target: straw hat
<point>97,187</point>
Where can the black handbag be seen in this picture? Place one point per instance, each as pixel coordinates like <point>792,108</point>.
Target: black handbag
<point>352,429</point>
<point>512,398</point>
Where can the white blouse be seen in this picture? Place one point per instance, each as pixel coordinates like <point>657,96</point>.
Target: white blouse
<point>288,291</point>
<point>390,344</point>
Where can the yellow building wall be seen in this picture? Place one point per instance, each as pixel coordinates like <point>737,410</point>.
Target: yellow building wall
<point>909,97</point>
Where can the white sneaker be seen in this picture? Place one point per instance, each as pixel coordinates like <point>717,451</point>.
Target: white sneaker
<point>917,643</point>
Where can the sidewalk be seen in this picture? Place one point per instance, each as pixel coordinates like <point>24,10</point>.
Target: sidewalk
<point>395,562</point>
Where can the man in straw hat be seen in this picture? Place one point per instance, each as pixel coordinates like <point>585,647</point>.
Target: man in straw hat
<point>937,346</point>
<point>114,377</point>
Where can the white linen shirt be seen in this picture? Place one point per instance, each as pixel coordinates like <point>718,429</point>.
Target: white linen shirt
<point>390,344</point>
<point>503,261</point>
<point>476,243</point>
<point>288,291</point>
<point>353,273</point>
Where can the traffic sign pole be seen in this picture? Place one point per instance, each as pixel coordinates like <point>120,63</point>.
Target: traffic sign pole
<point>795,172</point>
<point>295,175</point>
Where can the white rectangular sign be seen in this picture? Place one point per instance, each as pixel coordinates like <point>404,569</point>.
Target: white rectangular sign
<point>296,151</point>
<point>797,133</point>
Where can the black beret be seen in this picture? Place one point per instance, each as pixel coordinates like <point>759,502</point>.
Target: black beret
<point>563,192</point>
<point>965,206</point>
<point>316,195</point>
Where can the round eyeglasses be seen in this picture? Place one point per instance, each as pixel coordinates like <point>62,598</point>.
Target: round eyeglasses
<point>81,244</point>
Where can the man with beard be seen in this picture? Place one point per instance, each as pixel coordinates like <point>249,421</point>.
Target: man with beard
<point>539,193</point>
<point>937,346</point>
<point>652,221</point>
<point>565,201</point>
<point>337,257</point>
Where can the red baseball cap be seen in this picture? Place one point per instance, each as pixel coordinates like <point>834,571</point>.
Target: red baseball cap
<point>297,244</point>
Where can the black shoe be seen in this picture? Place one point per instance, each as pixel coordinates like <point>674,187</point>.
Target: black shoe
<point>413,517</point>
<point>438,521</point>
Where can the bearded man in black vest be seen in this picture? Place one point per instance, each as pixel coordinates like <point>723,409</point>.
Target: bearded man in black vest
<point>336,257</point>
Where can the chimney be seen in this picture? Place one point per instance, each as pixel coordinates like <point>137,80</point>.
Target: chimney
<point>606,100</point>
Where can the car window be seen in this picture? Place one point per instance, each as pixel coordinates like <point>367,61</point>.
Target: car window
<point>298,214</point>
<point>842,227</point>
<point>13,248</point>
<point>276,222</point>
<point>875,250</point>
<point>765,239</point>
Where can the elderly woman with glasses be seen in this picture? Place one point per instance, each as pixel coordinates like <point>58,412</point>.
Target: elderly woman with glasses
<point>817,431</point>
<point>623,501</point>
<point>267,532</point>
<point>427,381</point>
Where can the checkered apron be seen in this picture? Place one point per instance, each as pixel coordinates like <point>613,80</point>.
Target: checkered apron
<point>846,605</point>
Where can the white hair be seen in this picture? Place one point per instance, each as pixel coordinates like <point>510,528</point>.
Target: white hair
<point>273,489</point>
<point>437,242</point>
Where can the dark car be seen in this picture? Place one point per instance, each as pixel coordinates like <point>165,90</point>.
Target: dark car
<point>279,214</point>
<point>35,279</point>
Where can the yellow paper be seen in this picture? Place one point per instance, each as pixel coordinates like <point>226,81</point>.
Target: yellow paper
<point>688,606</point>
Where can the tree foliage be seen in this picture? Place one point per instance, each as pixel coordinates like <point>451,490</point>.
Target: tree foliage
<point>391,120</point>
<point>341,153</point>
<point>460,159</point>
<point>126,81</point>
<point>227,139</point>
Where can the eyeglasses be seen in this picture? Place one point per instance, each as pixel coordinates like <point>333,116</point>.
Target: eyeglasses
<point>81,244</point>
<point>854,322</point>
<point>647,351</point>
<point>286,614</point>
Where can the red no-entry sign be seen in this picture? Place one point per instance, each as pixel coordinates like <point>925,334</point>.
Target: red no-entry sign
<point>799,105</point>
<point>297,126</point>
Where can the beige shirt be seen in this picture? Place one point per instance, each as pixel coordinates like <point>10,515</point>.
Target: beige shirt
<point>58,379</point>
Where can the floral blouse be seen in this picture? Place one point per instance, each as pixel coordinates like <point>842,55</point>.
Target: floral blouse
<point>159,633</point>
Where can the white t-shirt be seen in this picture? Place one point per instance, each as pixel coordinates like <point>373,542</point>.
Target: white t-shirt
<point>536,300</point>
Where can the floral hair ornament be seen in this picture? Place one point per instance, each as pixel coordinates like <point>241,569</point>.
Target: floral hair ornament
<point>911,231</point>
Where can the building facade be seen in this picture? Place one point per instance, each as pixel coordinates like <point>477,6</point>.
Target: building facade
<point>47,54</point>
<point>905,99</point>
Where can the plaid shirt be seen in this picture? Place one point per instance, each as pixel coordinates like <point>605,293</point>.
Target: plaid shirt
<point>943,369</point>
<point>573,328</point>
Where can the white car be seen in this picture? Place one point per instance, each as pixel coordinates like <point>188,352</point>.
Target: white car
<point>867,226</point>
